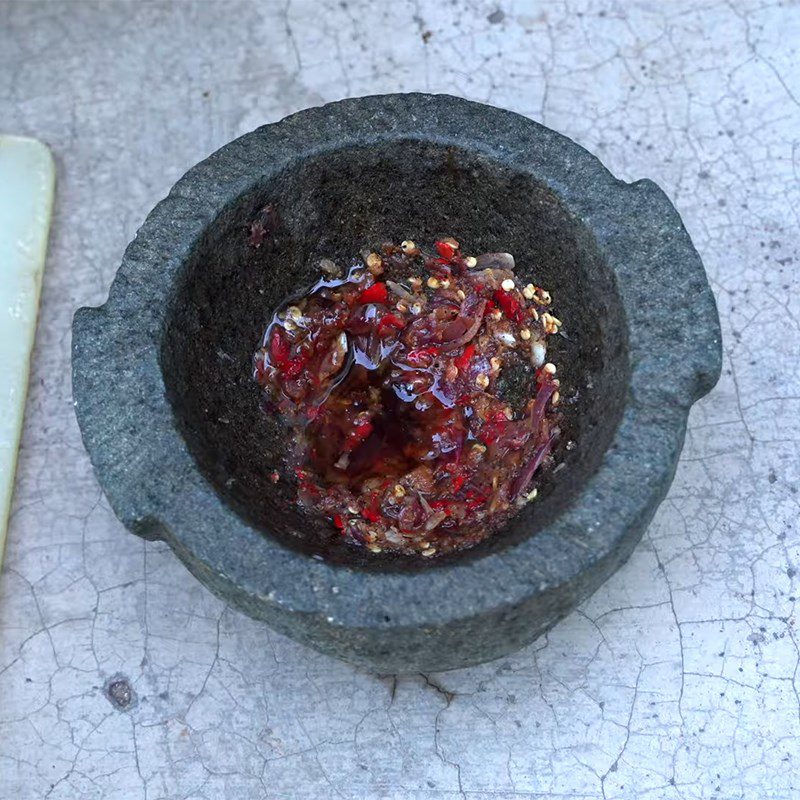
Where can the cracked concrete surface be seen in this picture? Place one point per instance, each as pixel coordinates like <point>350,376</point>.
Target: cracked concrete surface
<point>678,679</point>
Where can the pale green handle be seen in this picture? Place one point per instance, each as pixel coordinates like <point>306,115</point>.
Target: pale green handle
<point>27,179</point>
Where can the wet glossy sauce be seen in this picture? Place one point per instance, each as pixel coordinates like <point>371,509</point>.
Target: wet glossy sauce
<point>416,391</point>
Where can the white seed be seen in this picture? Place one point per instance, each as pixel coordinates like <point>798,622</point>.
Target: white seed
<point>471,262</point>
<point>289,325</point>
<point>549,368</point>
<point>544,297</point>
<point>429,551</point>
<point>482,380</point>
<point>399,491</point>
<point>538,354</point>
<point>433,283</point>
<point>524,334</point>
<point>408,246</point>
<point>329,267</point>
<point>374,548</point>
<point>555,398</point>
<point>529,292</point>
<point>507,285</point>
<point>445,283</point>
<point>374,260</point>
<point>294,312</point>
<point>460,294</point>
<point>507,339</point>
<point>532,494</point>
<point>496,363</point>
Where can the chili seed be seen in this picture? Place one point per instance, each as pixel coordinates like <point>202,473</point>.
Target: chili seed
<point>507,285</point>
<point>525,334</point>
<point>433,283</point>
<point>429,551</point>
<point>329,267</point>
<point>549,368</point>
<point>408,246</point>
<point>482,380</point>
<point>471,262</point>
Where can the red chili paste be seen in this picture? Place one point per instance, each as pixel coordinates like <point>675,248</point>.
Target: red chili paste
<point>416,388</point>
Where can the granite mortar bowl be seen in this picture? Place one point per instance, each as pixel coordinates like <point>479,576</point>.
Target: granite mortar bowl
<point>172,421</point>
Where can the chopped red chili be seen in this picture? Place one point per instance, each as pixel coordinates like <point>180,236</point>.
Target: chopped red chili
<point>445,249</point>
<point>462,362</point>
<point>509,305</point>
<point>377,293</point>
<point>405,436</point>
<point>391,321</point>
<point>279,349</point>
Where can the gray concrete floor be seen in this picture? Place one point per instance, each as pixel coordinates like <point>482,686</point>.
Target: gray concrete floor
<point>678,679</point>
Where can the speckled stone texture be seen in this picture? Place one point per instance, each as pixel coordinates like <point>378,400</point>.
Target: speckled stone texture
<point>676,679</point>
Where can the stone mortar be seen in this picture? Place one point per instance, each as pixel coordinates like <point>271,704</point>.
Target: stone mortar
<point>171,417</point>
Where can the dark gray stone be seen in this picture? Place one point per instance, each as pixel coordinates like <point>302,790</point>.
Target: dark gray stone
<point>171,418</point>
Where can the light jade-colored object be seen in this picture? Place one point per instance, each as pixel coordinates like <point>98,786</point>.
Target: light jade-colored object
<point>27,179</point>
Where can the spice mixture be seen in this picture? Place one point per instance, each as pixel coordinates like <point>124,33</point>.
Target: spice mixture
<point>417,389</point>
